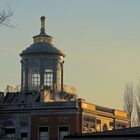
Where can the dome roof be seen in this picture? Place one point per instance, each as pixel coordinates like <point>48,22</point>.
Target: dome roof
<point>42,43</point>
<point>42,48</point>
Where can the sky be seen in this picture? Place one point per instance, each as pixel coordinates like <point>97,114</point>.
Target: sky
<point>99,37</point>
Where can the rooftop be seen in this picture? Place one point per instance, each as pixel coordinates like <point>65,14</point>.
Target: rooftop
<point>42,43</point>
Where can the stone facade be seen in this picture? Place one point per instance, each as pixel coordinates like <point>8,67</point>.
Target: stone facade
<point>76,117</point>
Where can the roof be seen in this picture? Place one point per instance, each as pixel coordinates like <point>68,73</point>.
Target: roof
<point>42,43</point>
<point>42,48</point>
<point>127,132</point>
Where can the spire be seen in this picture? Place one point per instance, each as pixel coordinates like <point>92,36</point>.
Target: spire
<point>42,30</point>
<point>42,37</point>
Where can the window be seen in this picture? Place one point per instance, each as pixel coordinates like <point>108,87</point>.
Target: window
<point>89,119</point>
<point>111,123</point>
<point>48,77</point>
<point>88,124</point>
<point>120,125</point>
<point>105,128</point>
<point>24,136</point>
<point>34,77</point>
<point>63,131</point>
<point>92,120</point>
<point>98,121</point>
<point>10,133</point>
<point>43,133</point>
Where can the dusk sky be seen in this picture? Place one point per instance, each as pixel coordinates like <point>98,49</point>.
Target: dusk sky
<point>101,40</point>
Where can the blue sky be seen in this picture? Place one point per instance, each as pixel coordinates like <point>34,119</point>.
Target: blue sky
<point>99,37</point>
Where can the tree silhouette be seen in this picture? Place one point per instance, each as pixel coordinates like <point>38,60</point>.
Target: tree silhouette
<point>5,16</point>
<point>129,101</point>
<point>137,103</point>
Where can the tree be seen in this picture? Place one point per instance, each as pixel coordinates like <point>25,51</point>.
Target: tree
<point>132,103</point>
<point>138,103</point>
<point>129,101</point>
<point>5,17</point>
<point>136,115</point>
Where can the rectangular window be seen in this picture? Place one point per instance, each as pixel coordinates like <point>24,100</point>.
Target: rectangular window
<point>89,119</point>
<point>48,77</point>
<point>43,133</point>
<point>120,125</point>
<point>24,136</point>
<point>98,121</point>
<point>10,133</point>
<point>34,76</point>
<point>111,123</point>
<point>36,79</point>
<point>63,131</point>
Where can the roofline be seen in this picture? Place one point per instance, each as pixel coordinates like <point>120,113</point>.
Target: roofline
<point>25,54</point>
<point>127,132</point>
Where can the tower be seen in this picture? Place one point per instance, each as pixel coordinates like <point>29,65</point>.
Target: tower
<point>42,63</point>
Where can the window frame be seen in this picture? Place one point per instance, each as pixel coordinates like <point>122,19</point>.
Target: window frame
<point>14,134</point>
<point>47,131</point>
<point>48,77</point>
<point>22,133</point>
<point>34,76</point>
<point>58,134</point>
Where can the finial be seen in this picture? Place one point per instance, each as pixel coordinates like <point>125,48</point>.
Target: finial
<point>42,30</point>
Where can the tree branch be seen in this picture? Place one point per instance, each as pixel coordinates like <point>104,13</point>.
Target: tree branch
<point>5,17</point>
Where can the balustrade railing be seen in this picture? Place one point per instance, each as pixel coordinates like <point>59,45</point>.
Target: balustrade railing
<point>12,89</point>
<point>22,106</point>
<point>18,88</point>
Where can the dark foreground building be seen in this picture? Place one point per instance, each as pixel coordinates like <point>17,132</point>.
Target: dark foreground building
<point>43,108</point>
<point>121,134</point>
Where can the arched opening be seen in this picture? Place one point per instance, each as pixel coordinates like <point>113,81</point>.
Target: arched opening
<point>34,76</point>
<point>48,77</point>
<point>105,128</point>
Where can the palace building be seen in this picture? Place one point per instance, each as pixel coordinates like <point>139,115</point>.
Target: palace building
<point>43,108</point>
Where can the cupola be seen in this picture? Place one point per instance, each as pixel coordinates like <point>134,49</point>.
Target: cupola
<point>42,63</point>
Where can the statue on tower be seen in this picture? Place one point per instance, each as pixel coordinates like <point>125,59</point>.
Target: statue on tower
<point>42,30</point>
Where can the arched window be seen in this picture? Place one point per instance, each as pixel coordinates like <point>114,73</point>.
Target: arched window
<point>105,128</point>
<point>35,79</point>
<point>34,76</point>
<point>48,77</point>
